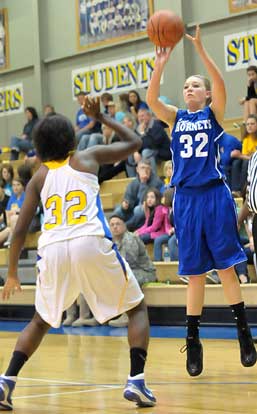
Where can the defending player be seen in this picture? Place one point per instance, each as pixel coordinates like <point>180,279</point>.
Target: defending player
<point>75,251</point>
<point>204,210</point>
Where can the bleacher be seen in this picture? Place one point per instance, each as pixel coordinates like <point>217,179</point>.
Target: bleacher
<point>168,291</point>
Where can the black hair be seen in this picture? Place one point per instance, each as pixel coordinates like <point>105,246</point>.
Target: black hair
<point>139,100</point>
<point>54,138</point>
<point>33,111</point>
<point>25,173</point>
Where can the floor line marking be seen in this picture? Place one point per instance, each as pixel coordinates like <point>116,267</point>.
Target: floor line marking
<point>64,393</point>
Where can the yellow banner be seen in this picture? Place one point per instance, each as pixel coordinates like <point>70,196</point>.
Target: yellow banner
<point>240,50</point>
<point>114,77</point>
<point>11,99</point>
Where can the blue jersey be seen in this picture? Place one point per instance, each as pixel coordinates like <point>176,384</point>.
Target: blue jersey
<point>195,148</point>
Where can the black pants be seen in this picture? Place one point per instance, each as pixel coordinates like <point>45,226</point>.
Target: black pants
<point>254,230</point>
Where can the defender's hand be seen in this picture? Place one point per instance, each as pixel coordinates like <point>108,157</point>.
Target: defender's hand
<point>11,286</point>
<point>91,106</point>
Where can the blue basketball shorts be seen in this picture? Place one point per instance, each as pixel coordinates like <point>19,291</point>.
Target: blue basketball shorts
<point>206,229</point>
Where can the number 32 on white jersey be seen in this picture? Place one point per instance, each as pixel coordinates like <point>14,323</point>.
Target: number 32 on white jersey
<point>189,150</point>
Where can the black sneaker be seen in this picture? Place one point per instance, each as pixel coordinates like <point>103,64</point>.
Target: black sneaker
<point>194,356</point>
<point>247,349</point>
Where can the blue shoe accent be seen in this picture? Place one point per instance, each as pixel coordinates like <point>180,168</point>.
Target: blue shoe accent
<point>135,390</point>
<point>6,389</point>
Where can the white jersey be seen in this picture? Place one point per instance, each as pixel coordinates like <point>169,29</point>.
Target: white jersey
<point>72,205</point>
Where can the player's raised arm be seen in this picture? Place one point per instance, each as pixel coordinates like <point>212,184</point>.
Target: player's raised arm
<point>166,113</point>
<point>218,85</point>
<point>104,154</point>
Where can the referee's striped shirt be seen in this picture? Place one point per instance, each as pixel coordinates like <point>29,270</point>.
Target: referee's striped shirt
<point>252,181</point>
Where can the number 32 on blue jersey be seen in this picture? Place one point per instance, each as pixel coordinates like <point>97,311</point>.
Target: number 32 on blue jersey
<point>189,149</point>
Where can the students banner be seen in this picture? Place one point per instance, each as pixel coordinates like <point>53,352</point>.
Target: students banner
<point>240,50</point>
<point>114,77</point>
<point>11,99</point>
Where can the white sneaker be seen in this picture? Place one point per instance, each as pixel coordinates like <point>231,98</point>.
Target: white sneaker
<point>121,322</point>
<point>90,322</point>
<point>69,321</point>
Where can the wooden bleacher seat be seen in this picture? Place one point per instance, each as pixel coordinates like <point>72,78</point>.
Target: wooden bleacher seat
<point>30,243</point>
<point>116,187</point>
<point>156,294</point>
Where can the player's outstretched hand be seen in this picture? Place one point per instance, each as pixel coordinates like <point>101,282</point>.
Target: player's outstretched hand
<point>11,286</point>
<point>91,106</point>
<point>196,40</point>
<point>162,55</point>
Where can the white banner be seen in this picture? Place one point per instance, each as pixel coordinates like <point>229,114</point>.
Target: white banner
<point>240,50</point>
<point>11,99</point>
<point>114,77</point>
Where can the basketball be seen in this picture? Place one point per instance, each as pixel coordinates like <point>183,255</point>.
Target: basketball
<point>165,28</point>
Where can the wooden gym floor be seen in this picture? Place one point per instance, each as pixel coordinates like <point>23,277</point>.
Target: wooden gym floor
<point>76,373</point>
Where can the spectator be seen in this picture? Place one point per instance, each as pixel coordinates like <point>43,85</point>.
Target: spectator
<point>105,99</point>
<point>250,101</point>
<point>132,161</point>
<point>14,205</point>
<point>123,107</point>
<point>133,250</point>
<point>131,208</point>
<point>49,110</point>
<point>108,171</point>
<point>84,125</point>
<point>7,175</point>
<point>84,314</point>
<point>24,173</point>
<point>168,237</point>
<point>157,217</point>
<point>24,142</point>
<point>167,173</point>
<point>4,229</point>
<point>156,143</point>
<point>230,150</point>
<point>136,103</point>
<point>240,166</point>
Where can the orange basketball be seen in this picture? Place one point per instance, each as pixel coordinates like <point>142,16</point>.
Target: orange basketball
<point>165,28</point>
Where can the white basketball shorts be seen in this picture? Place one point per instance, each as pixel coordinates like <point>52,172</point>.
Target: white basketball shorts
<point>88,265</point>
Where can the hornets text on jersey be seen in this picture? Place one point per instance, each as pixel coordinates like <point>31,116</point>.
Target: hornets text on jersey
<point>195,148</point>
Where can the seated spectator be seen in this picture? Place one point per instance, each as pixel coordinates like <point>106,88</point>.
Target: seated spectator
<point>230,149</point>
<point>240,166</point>
<point>132,249</point>
<point>7,175</point>
<point>167,173</point>
<point>14,205</point>
<point>84,125</point>
<point>157,217</point>
<point>24,142</point>
<point>24,173</point>
<point>164,239</point>
<point>131,208</point>
<point>112,111</point>
<point>84,314</point>
<point>132,161</point>
<point>156,143</point>
<point>108,171</point>
<point>49,110</point>
<point>136,103</point>
<point>123,107</point>
<point>105,99</point>
<point>4,229</point>
<point>250,101</point>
